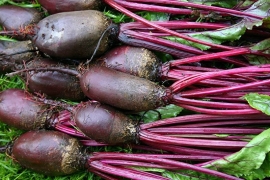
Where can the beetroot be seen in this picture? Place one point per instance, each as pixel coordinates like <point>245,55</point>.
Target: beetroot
<point>137,61</point>
<point>116,127</point>
<point>50,153</point>
<point>69,5</point>
<point>17,18</point>
<point>26,114</point>
<point>56,38</point>
<point>53,84</point>
<point>124,91</point>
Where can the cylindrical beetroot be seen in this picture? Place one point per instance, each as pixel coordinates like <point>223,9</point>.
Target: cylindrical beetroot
<point>49,152</point>
<point>18,109</point>
<point>104,124</point>
<point>53,6</point>
<point>136,61</point>
<point>54,84</point>
<point>122,90</point>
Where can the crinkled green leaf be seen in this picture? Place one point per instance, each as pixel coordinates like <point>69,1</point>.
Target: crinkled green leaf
<point>262,47</point>
<point>178,176</point>
<point>245,3</point>
<point>189,43</point>
<point>259,8</point>
<point>161,113</point>
<point>231,33</point>
<point>251,161</point>
<point>260,102</point>
<point>155,16</point>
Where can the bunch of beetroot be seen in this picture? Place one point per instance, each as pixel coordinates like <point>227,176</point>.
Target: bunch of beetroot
<point>110,69</point>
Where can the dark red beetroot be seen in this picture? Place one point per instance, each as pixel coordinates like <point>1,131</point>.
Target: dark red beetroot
<point>51,153</point>
<point>53,84</point>
<point>133,60</point>
<point>69,5</point>
<point>18,109</point>
<point>91,33</point>
<point>18,18</point>
<point>122,90</point>
<point>15,53</point>
<point>116,127</point>
<point>54,153</point>
<point>55,37</point>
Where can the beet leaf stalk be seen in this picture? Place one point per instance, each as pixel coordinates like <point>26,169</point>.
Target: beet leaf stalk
<point>75,158</point>
<point>194,5</point>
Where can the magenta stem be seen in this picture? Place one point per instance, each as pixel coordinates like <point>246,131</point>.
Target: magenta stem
<point>90,142</point>
<point>202,92</point>
<point>172,24</point>
<point>175,74</point>
<point>195,118</point>
<point>132,163</point>
<point>163,42</point>
<point>225,123</point>
<point>68,130</point>
<point>186,150</point>
<point>145,135</point>
<point>177,86</point>
<point>220,112</point>
<point>181,157</point>
<point>186,50</point>
<point>102,175</point>
<point>122,172</point>
<point>218,105</point>
<point>180,165</point>
<point>228,137</point>
<point>201,6</point>
<point>234,52</point>
<point>154,8</point>
<point>206,130</point>
<point>153,46</point>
